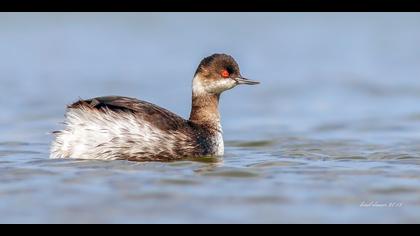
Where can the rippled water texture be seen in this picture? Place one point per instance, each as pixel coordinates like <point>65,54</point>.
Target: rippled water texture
<point>332,135</point>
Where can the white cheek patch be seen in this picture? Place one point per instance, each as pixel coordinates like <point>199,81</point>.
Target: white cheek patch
<point>197,86</point>
<point>216,86</point>
<point>221,85</point>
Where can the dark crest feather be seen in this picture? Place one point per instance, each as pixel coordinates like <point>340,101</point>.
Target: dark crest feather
<point>216,62</point>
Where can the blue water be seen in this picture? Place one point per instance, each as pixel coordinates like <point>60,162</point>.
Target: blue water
<point>331,135</point>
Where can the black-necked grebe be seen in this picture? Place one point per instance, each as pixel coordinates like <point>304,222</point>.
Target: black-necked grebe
<point>111,128</point>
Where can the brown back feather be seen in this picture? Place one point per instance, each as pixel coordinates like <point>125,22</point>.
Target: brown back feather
<point>159,117</point>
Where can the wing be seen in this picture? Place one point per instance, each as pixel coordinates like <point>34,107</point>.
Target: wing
<point>145,111</point>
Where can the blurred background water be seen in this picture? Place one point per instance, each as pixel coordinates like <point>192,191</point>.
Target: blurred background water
<point>332,134</point>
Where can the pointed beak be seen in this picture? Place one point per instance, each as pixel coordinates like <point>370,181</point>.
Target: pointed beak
<point>242,80</point>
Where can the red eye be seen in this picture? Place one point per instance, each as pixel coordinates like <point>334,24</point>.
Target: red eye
<point>224,74</point>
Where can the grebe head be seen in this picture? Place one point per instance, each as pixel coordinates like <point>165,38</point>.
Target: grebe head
<point>218,73</point>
